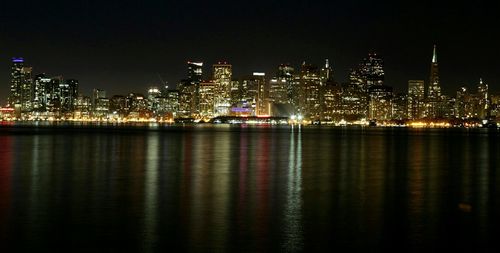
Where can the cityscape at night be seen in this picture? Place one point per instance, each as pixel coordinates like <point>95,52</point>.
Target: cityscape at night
<point>249,126</point>
<point>306,94</point>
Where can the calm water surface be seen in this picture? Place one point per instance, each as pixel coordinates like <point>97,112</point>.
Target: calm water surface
<point>248,189</point>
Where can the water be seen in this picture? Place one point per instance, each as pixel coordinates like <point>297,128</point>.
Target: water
<point>248,189</point>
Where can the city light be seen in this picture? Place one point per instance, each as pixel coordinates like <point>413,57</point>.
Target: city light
<point>306,95</point>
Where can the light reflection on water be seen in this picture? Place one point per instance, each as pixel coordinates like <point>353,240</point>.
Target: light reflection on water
<point>250,189</point>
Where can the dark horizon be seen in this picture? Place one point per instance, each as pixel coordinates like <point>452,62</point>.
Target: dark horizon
<point>122,47</point>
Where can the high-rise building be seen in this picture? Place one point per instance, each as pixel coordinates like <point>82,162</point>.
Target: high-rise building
<point>369,73</point>
<point>263,105</point>
<point>380,107</point>
<point>434,90</point>
<point>400,106</point>
<point>207,99</point>
<point>42,85</point>
<point>100,103</point>
<point>68,93</point>
<point>21,86</point>
<point>326,72</point>
<point>483,99</point>
<point>310,97</point>
<point>53,95</point>
<point>195,71</point>
<point>353,104</point>
<point>286,74</point>
<point>222,76</point>
<point>416,99</point>
<point>154,98</point>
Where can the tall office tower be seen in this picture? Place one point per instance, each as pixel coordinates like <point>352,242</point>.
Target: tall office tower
<point>263,106</point>
<point>172,103</point>
<point>380,107</point>
<point>463,104</point>
<point>286,73</point>
<point>195,71</point>
<point>21,86</point>
<point>189,91</point>
<point>278,91</point>
<point>187,99</point>
<point>416,99</point>
<point>68,94</point>
<point>100,103</point>
<point>53,95</point>
<point>207,100</point>
<point>326,72</point>
<point>371,71</point>
<point>310,92</point>
<point>434,89</point>
<point>195,76</point>
<point>332,95</point>
<point>236,92</point>
<point>353,103</point>
<point>42,85</point>
<point>83,107</point>
<point>154,97</point>
<point>118,105</point>
<point>400,106</point>
<point>222,76</point>
<point>484,100</point>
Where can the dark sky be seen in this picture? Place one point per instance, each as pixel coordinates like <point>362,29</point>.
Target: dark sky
<point>122,46</point>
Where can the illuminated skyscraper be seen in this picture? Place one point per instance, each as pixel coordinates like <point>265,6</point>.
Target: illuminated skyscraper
<point>21,86</point>
<point>380,107</point>
<point>434,91</point>
<point>207,99</point>
<point>42,85</point>
<point>416,99</point>
<point>68,93</point>
<point>286,74</point>
<point>326,72</point>
<point>309,103</point>
<point>369,73</point>
<point>195,71</point>
<point>222,76</point>
<point>189,90</point>
<point>483,99</point>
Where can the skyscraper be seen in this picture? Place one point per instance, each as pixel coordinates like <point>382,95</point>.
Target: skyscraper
<point>42,84</point>
<point>21,86</point>
<point>310,92</point>
<point>434,90</point>
<point>484,100</point>
<point>222,76</point>
<point>416,99</point>
<point>195,71</point>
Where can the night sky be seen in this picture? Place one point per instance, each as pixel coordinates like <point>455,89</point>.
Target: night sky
<point>122,46</point>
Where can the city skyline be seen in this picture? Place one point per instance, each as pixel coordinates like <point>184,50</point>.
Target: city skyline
<point>127,47</point>
<point>308,93</point>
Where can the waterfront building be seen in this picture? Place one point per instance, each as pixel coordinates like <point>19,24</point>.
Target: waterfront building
<point>370,72</point>
<point>68,90</point>
<point>118,105</point>
<point>380,106</point>
<point>207,102</point>
<point>21,87</point>
<point>416,99</point>
<point>400,106</point>
<point>434,89</point>
<point>222,76</point>
<point>41,85</point>
<point>483,100</point>
<point>310,97</point>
